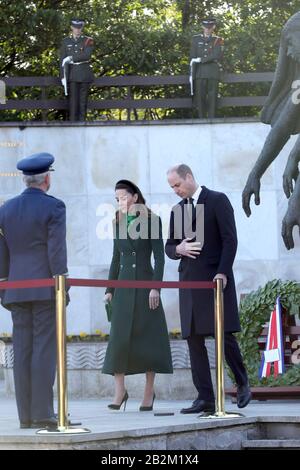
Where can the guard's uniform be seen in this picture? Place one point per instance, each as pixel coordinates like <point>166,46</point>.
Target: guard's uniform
<point>33,246</point>
<point>206,74</point>
<point>79,73</point>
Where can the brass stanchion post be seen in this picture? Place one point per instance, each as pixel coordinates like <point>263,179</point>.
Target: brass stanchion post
<point>61,347</point>
<point>219,348</point>
<point>60,287</point>
<point>219,353</point>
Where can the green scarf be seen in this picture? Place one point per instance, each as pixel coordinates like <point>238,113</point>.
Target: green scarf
<point>130,218</point>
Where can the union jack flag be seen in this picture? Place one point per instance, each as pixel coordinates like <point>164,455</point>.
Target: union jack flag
<point>274,352</point>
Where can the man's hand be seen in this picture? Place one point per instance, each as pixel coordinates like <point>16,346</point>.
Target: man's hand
<point>188,248</point>
<point>67,60</point>
<point>252,187</point>
<point>223,277</point>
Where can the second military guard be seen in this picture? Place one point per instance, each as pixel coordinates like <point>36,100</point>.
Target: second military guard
<point>75,69</point>
<point>205,69</point>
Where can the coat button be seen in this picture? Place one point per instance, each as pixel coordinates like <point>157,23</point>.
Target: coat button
<point>134,265</point>
<point>133,253</point>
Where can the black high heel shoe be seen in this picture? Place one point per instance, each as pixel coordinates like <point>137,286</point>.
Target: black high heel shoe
<point>148,408</point>
<point>113,406</point>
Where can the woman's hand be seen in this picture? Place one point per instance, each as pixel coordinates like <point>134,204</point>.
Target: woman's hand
<point>154,299</point>
<point>107,298</point>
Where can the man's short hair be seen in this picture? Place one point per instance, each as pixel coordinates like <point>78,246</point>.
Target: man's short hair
<point>35,180</point>
<point>182,170</point>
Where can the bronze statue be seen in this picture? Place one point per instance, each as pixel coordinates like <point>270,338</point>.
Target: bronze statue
<point>282,111</point>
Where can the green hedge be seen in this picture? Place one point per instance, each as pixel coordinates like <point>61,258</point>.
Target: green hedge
<point>255,311</point>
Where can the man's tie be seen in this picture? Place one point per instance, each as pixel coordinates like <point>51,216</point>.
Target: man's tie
<point>191,207</point>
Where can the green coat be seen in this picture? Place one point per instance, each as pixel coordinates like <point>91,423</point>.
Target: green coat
<point>139,339</point>
<point>81,50</point>
<point>210,50</point>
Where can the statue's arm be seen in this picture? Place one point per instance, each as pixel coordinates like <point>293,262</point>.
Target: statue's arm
<point>292,217</point>
<point>291,171</point>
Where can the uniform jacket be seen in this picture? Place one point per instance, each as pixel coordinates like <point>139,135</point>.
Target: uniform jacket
<point>217,256</point>
<point>81,50</point>
<point>210,50</point>
<point>32,243</point>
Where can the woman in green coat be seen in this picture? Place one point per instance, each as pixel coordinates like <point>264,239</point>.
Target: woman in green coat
<point>139,341</point>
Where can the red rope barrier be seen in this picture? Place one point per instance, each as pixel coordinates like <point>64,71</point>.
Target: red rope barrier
<point>142,284</point>
<point>27,284</point>
<point>105,283</point>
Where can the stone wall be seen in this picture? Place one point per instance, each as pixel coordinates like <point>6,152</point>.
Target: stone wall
<point>90,159</point>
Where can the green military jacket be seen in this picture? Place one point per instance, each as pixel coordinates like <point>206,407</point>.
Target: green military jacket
<point>210,50</point>
<point>81,50</point>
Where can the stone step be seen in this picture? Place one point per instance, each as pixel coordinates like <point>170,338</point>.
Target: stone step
<point>254,444</point>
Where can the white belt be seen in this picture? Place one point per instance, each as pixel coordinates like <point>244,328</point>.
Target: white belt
<point>79,63</point>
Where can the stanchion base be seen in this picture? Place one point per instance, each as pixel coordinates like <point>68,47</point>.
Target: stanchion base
<point>57,432</point>
<point>219,415</point>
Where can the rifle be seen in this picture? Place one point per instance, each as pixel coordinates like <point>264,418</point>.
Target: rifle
<point>192,62</point>
<point>64,80</point>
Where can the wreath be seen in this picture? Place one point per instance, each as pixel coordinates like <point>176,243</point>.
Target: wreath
<point>255,309</point>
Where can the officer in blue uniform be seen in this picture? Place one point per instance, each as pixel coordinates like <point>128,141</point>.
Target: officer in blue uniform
<point>75,57</point>
<point>33,246</point>
<point>206,55</point>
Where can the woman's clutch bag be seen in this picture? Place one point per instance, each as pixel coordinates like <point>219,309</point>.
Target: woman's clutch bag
<point>108,308</point>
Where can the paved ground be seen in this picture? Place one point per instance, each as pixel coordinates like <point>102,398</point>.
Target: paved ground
<point>95,415</point>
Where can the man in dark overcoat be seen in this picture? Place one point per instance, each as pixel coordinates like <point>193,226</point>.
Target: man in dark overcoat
<point>205,260</point>
<point>33,246</point>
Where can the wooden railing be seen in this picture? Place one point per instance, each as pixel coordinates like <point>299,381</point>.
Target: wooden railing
<point>127,84</point>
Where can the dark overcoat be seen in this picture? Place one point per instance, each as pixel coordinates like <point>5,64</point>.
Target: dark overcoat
<point>217,256</point>
<point>139,339</point>
<point>32,243</point>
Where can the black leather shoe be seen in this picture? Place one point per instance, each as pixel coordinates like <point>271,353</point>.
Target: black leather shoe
<point>199,406</point>
<point>243,395</point>
<point>49,423</point>
<point>25,425</point>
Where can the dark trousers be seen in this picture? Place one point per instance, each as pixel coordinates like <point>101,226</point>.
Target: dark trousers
<point>34,342</point>
<point>78,98</point>
<point>200,364</point>
<point>205,97</point>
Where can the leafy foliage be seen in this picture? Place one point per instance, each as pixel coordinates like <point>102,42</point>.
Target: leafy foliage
<point>144,37</point>
<point>255,311</point>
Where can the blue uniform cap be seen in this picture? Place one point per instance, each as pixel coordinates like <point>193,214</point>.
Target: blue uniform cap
<point>36,164</point>
<point>77,23</point>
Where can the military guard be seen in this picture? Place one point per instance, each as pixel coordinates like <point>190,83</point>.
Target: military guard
<point>75,69</point>
<point>206,54</point>
<point>33,246</point>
